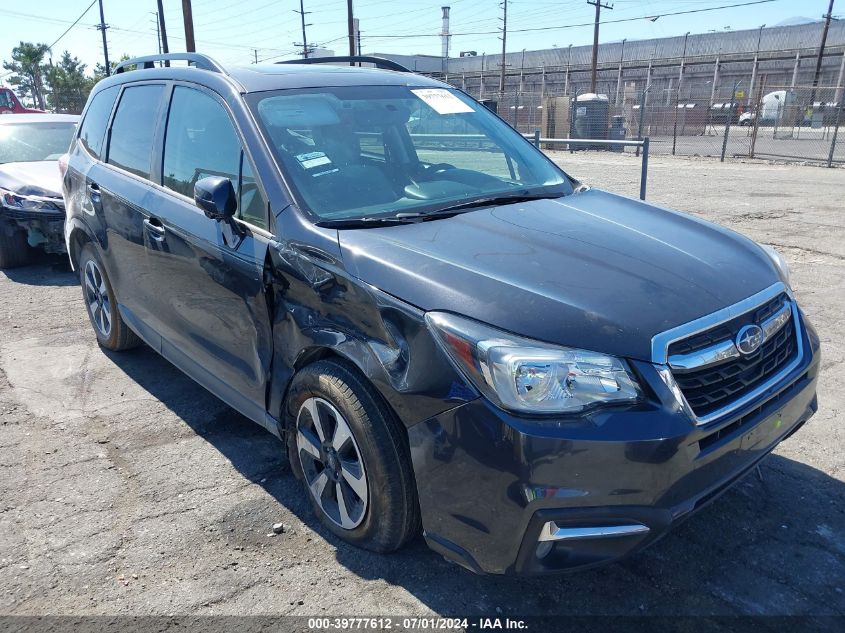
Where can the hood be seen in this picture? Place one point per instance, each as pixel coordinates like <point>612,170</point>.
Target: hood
<point>592,270</point>
<point>38,178</point>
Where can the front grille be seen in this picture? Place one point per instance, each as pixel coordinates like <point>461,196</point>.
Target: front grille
<point>711,388</point>
<point>27,215</point>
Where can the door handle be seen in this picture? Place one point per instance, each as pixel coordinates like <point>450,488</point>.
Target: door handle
<point>154,227</point>
<point>94,191</point>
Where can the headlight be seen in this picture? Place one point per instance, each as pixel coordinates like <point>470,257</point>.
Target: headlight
<point>529,376</point>
<point>779,261</point>
<point>30,203</point>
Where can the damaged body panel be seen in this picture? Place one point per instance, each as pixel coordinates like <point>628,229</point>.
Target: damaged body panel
<point>32,210</point>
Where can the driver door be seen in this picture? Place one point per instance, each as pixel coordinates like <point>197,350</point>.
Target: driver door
<point>213,315</point>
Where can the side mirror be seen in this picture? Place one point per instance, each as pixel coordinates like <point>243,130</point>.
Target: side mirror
<point>215,195</point>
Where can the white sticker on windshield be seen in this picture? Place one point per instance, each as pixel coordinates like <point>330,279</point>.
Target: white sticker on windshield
<point>442,101</point>
<point>313,159</point>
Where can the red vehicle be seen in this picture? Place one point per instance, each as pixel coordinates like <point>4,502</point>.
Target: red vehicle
<point>10,104</point>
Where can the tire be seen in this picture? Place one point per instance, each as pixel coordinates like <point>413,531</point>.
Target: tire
<point>14,248</point>
<point>386,515</point>
<point>112,332</point>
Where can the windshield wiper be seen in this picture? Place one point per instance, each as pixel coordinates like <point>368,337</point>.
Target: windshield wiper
<point>490,201</point>
<point>357,223</point>
<point>413,217</point>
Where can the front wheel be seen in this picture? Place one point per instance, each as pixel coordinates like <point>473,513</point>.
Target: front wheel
<point>353,457</point>
<point>112,333</point>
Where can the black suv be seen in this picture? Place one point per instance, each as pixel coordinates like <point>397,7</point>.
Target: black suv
<point>447,332</point>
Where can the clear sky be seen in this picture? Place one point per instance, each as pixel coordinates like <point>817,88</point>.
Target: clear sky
<point>230,31</point>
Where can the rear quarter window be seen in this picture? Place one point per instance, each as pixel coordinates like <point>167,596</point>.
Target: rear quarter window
<point>133,129</point>
<point>93,129</point>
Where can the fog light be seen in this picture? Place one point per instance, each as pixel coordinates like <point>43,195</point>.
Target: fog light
<point>544,548</point>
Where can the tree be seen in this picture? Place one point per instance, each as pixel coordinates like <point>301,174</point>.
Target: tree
<point>68,85</point>
<point>28,69</point>
<point>100,69</point>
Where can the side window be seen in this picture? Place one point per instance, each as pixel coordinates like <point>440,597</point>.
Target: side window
<point>252,207</point>
<point>200,142</point>
<point>93,130</point>
<point>6,100</point>
<point>133,129</point>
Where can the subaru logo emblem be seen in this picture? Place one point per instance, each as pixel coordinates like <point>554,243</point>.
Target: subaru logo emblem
<point>749,339</point>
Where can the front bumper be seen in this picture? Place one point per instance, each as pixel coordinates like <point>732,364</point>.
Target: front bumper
<point>44,228</point>
<point>492,486</point>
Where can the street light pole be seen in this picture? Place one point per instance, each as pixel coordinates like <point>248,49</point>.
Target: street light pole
<point>678,94</point>
<point>619,78</point>
<point>754,67</point>
<point>504,48</point>
<point>568,64</point>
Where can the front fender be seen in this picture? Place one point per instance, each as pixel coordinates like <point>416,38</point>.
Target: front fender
<point>74,229</point>
<point>320,310</point>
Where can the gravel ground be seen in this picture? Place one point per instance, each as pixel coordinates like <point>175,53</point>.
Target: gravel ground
<point>128,489</point>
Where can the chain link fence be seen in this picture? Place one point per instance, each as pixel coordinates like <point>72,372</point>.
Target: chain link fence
<point>755,100</point>
<point>783,122</point>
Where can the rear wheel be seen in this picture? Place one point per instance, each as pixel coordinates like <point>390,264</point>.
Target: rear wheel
<point>14,248</point>
<point>112,333</point>
<point>353,457</point>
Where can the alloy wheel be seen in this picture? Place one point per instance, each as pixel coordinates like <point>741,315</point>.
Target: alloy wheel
<point>331,462</point>
<point>97,298</point>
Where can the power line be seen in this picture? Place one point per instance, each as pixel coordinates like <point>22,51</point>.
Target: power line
<point>75,22</point>
<point>572,26</point>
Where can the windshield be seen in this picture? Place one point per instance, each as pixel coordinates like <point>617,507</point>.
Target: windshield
<point>27,142</point>
<point>375,151</point>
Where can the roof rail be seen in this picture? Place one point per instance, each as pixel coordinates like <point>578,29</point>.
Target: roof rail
<point>194,59</point>
<point>378,62</point>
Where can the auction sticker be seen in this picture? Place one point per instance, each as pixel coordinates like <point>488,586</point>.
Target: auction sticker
<point>313,159</point>
<point>442,101</point>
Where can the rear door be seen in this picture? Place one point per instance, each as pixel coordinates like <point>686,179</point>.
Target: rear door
<point>123,190</point>
<point>213,315</point>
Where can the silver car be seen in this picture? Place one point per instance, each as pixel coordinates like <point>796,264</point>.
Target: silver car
<point>32,211</point>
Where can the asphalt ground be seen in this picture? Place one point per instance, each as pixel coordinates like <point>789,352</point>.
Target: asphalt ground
<point>127,489</point>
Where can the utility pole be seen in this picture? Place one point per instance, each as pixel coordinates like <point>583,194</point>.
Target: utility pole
<point>504,48</point>
<point>350,25</point>
<point>164,48</point>
<point>818,72</point>
<point>188,18</point>
<point>102,26</point>
<point>599,6</point>
<point>158,33</point>
<point>302,13</point>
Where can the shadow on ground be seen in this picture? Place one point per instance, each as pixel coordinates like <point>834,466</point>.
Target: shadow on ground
<point>44,269</point>
<point>769,546</point>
